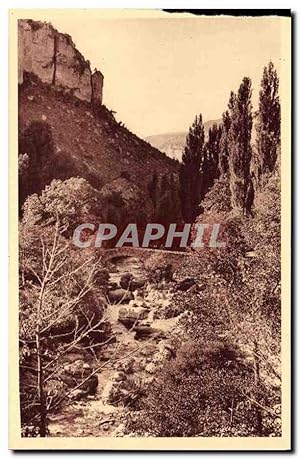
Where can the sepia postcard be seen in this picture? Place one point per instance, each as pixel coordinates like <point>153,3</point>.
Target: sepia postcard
<point>150,230</point>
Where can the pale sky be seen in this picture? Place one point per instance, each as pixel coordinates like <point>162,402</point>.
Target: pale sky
<point>160,72</point>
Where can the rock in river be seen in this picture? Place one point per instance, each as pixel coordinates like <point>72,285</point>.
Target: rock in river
<point>130,316</point>
<point>120,296</point>
<point>128,281</point>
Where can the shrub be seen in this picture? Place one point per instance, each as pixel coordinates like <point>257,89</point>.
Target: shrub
<point>205,391</point>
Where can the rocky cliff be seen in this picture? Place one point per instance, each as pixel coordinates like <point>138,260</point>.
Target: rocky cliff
<point>54,59</point>
<point>65,131</point>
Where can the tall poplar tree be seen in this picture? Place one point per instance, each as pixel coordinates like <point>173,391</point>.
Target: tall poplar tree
<point>210,170</point>
<point>240,111</point>
<point>224,143</point>
<point>190,171</point>
<point>268,122</point>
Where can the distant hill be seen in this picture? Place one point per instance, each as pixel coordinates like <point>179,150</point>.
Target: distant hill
<point>173,143</point>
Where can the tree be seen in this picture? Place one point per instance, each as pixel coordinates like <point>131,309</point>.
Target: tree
<point>190,173</point>
<point>167,208</point>
<point>218,198</point>
<point>224,143</point>
<point>204,391</point>
<point>268,122</point>
<point>240,110</point>
<point>36,144</point>
<point>153,189</point>
<point>60,308</point>
<point>210,170</point>
<point>239,297</point>
<point>73,201</point>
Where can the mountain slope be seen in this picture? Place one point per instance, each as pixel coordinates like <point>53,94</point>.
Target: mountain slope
<point>65,131</point>
<point>93,144</point>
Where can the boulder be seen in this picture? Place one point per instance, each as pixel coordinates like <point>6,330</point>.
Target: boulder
<point>113,286</point>
<point>186,284</point>
<point>127,281</point>
<point>120,296</point>
<point>91,385</point>
<point>144,331</point>
<point>72,374</point>
<point>137,283</point>
<point>119,376</point>
<point>114,390</point>
<point>130,316</point>
<point>75,368</point>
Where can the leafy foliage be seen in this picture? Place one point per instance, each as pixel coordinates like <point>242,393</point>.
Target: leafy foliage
<point>204,391</point>
<point>73,201</point>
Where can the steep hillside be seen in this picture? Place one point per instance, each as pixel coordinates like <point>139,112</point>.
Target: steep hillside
<point>91,142</point>
<point>173,143</point>
<point>60,104</point>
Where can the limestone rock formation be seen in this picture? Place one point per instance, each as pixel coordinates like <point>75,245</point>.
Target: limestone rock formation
<point>97,86</point>
<point>54,59</point>
<point>71,70</point>
<point>36,50</point>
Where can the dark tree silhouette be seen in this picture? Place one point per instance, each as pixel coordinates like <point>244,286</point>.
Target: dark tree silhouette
<point>190,173</point>
<point>240,110</point>
<point>268,122</point>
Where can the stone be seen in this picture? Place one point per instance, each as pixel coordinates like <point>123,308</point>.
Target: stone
<point>120,296</point>
<point>72,70</point>
<point>110,392</point>
<point>142,331</point>
<point>54,59</point>
<point>36,50</point>
<point>91,385</point>
<point>137,283</point>
<point>127,366</point>
<point>126,280</point>
<point>75,368</point>
<point>130,316</point>
<point>97,87</point>
<point>149,349</point>
<point>113,286</point>
<point>119,431</point>
<point>186,284</point>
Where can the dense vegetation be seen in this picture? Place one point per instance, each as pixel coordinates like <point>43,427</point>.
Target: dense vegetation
<point>224,377</point>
